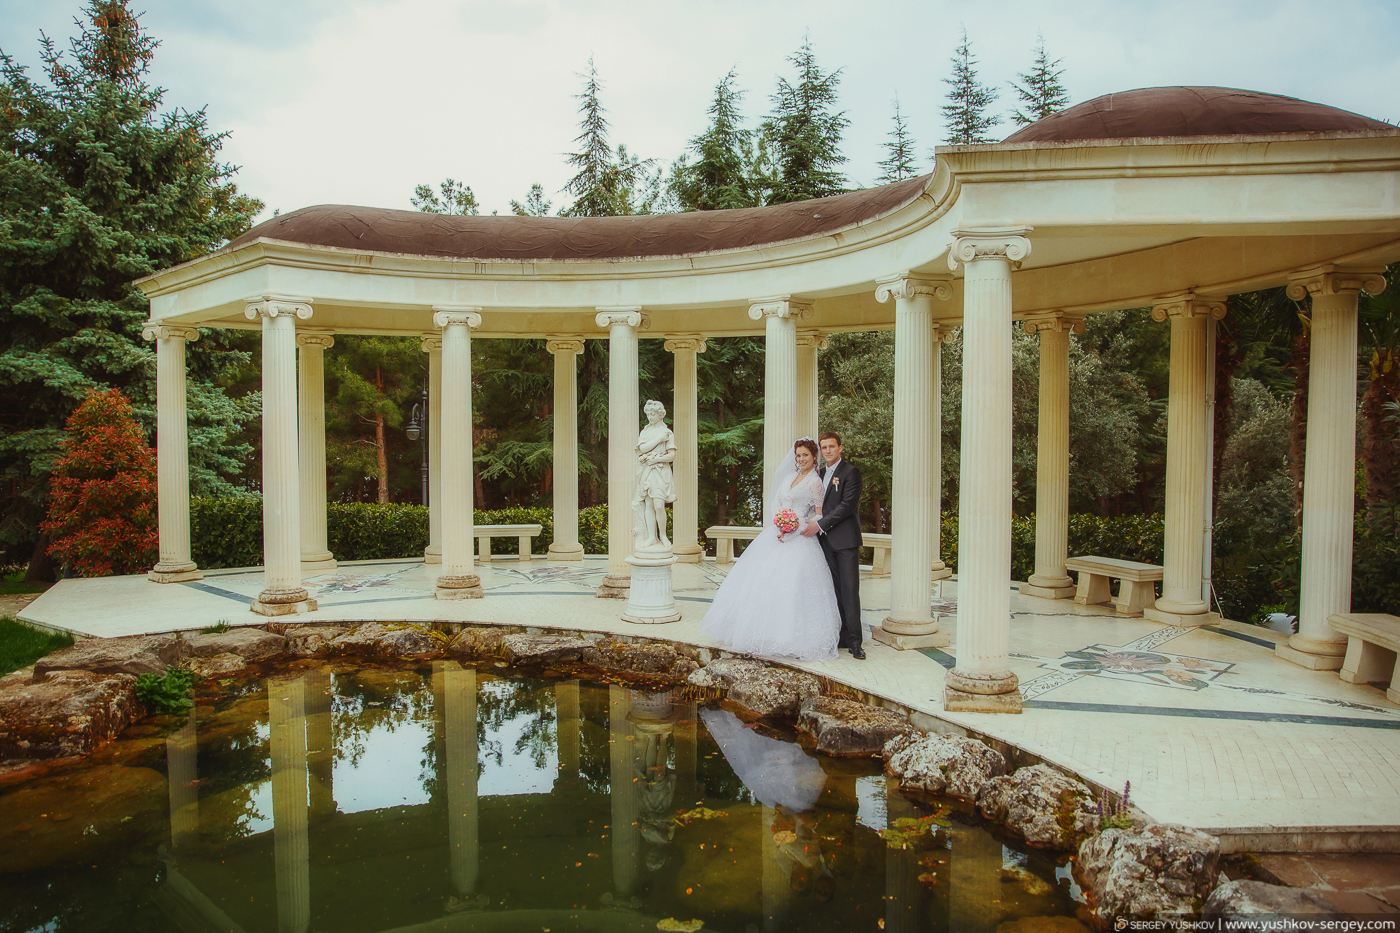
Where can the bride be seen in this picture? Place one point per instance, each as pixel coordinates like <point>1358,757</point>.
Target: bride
<point>778,600</point>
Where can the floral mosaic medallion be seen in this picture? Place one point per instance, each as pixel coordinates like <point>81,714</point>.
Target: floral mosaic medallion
<point>1135,666</point>
<point>944,607</point>
<point>330,584</point>
<point>553,573</point>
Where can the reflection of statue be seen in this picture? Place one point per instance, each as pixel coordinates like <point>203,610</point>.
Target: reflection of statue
<point>656,448</point>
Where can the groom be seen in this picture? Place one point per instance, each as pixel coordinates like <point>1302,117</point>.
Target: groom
<point>839,531</point>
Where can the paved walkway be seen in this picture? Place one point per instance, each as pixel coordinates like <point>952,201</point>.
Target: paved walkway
<point>1209,726</point>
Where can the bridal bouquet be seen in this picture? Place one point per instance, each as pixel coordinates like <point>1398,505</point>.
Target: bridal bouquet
<point>786,521</point>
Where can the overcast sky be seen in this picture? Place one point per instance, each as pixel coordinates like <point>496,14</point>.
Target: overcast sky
<point>357,101</point>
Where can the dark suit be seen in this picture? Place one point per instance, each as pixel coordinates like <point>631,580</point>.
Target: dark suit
<point>841,543</point>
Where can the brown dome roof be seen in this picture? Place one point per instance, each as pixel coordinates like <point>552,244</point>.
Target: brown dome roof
<point>1193,111</point>
<point>587,238</point>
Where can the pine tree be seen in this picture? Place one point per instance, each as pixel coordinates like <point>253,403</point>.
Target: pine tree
<point>900,163</point>
<point>605,185</point>
<point>99,187</point>
<point>102,517</point>
<point>722,176</point>
<point>456,198</point>
<point>1041,92</point>
<point>536,205</point>
<point>804,133</point>
<point>965,114</point>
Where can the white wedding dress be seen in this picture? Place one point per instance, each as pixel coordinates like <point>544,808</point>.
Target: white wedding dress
<point>778,600</point>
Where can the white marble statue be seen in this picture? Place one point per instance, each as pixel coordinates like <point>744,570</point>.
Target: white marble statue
<point>656,487</point>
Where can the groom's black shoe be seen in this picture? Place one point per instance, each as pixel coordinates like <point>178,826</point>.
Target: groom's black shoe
<point>858,653</point>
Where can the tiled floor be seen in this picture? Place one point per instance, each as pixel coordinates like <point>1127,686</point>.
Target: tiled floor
<point>1209,726</point>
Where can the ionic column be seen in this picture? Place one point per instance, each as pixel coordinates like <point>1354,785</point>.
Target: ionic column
<point>181,758</point>
<point>808,387</point>
<point>459,714</point>
<point>624,418</point>
<point>432,345</point>
<point>1050,580</point>
<point>565,545</point>
<point>291,852</point>
<point>320,743</point>
<point>685,412</point>
<point>941,333</point>
<point>982,681</point>
<point>566,718</point>
<point>780,315</point>
<point>172,454</point>
<point>622,793</point>
<point>910,623</point>
<point>1330,463</point>
<point>1185,502</point>
<point>311,451</point>
<point>282,590</point>
<point>457,581</point>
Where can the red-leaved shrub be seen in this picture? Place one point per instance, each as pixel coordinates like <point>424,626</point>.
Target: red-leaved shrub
<point>102,512</point>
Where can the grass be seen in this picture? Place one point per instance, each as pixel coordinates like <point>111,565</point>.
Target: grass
<point>12,584</point>
<point>21,646</point>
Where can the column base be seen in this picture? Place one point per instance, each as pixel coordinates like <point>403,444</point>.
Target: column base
<point>1181,619</point>
<point>432,554</point>
<point>615,586</point>
<point>649,599</point>
<point>559,551</point>
<point>1047,592</point>
<point>911,641</point>
<point>1307,659</point>
<point>689,553</point>
<point>311,567</point>
<point>940,572</point>
<point>176,574</point>
<point>282,609</point>
<point>458,586</point>
<point>956,701</point>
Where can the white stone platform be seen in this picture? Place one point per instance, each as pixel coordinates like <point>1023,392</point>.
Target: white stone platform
<point>1210,727</point>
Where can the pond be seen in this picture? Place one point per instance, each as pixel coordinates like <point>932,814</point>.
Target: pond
<point>343,799</point>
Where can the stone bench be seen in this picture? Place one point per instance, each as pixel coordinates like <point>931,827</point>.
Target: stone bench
<point>725,535</point>
<point>1373,647</point>
<point>484,534</point>
<point>1135,587</point>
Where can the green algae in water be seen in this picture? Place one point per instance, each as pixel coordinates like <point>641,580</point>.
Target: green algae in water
<point>447,799</point>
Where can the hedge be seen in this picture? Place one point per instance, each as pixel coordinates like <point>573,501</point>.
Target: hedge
<point>228,532</point>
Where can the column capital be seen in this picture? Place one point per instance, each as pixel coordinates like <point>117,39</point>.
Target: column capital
<point>1009,244</point>
<point>564,344</point>
<point>447,315</point>
<point>431,342</point>
<point>323,339</point>
<point>1329,279</point>
<point>686,342</point>
<point>908,285</point>
<point>152,330</point>
<point>812,338</point>
<point>631,316</point>
<point>779,306</point>
<point>1187,305</point>
<point>1055,322</point>
<point>271,306</point>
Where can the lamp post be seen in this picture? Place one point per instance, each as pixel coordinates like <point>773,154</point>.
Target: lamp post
<point>417,430</point>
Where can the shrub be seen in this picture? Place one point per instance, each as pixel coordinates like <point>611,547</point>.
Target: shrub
<point>1126,537</point>
<point>226,532</point>
<point>102,514</point>
<point>168,692</point>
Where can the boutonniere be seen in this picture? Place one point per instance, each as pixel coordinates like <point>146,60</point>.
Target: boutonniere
<point>836,481</point>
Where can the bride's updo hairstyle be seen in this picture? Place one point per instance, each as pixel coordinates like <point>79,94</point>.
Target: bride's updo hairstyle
<point>809,444</point>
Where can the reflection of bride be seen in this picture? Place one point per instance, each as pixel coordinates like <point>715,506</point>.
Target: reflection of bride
<point>778,600</point>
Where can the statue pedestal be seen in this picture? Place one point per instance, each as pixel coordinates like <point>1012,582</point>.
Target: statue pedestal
<point>649,600</point>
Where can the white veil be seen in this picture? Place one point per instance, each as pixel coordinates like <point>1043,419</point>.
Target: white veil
<point>782,477</point>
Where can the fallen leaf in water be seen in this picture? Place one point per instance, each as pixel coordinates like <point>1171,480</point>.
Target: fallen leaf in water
<point>783,837</point>
<point>929,877</point>
<point>672,925</point>
<point>699,813</point>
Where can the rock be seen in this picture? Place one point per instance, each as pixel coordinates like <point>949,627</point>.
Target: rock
<point>767,691</point>
<point>139,654</point>
<point>477,642</point>
<point>1159,871</point>
<point>217,666</point>
<point>68,713</point>
<point>943,764</point>
<point>1262,903</point>
<point>382,641</point>
<point>543,649</point>
<point>1047,807</point>
<point>720,673</point>
<point>656,659</point>
<point>850,729</point>
<point>304,641</point>
<point>250,644</point>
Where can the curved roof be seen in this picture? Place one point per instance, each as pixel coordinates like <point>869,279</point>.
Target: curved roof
<point>586,238</point>
<point>1193,111</point>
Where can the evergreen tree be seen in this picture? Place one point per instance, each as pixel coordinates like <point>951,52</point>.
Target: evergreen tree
<point>535,204</point>
<point>371,383</point>
<point>722,175</point>
<point>1041,92</point>
<point>97,188</point>
<point>899,164</point>
<point>455,198</point>
<point>804,133</point>
<point>605,184</point>
<point>965,115</point>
